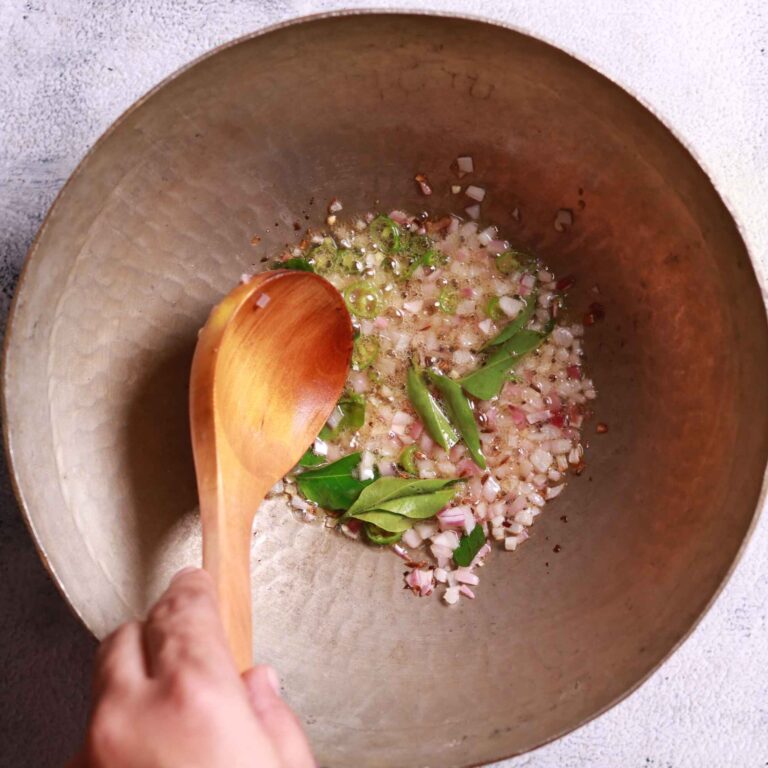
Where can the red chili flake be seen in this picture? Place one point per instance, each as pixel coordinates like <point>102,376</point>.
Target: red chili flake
<point>423,183</point>
<point>601,428</point>
<point>564,283</point>
<point>597,309</point>
<point>573,371</point>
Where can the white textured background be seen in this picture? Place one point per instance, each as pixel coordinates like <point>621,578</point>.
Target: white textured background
<point>68,68</point>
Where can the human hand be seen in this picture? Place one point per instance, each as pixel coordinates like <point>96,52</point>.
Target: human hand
<point>167,694</point>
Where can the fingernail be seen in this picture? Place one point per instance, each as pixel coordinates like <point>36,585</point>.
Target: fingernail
<point>273,679</point>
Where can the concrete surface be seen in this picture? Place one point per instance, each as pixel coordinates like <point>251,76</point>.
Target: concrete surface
<point>68,68</point>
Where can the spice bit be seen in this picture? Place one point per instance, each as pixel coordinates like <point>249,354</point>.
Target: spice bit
<point>335,205</point>
<point>516,215</point>
<point>455,189</point>
<point>557,548</point>
<point>331,220</point>
<point>423,183</point>
<point>601,428</point>
<point>255,240</point>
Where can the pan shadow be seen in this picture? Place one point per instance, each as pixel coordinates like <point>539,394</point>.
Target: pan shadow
<point>159,457</point>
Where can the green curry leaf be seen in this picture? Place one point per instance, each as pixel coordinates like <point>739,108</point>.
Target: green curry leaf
<point>386,489</point>
<point>333,486</point>
<point>468,547</point>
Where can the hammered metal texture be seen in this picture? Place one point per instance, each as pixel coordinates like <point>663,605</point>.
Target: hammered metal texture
<point>156,226</point>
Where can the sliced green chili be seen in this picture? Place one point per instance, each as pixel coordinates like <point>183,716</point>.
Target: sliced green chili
<point>407,459</point>
<point>461,414</point>
<point>364,299</point>
<point>323,255</point>
<point>435,421</point>
<point>379,536</point>
<point>508,262</point>
<point>350,261</point>
<point>365,352</point>
<point>493,310</point>
<point>448,300</point>
<point>385,233</point>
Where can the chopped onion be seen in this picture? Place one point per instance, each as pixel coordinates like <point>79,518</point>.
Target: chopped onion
<point>483,551</point>
<point>541,459</point>
<point>473,211</point>
<point>486,326</point>
<point>447,539</point>
<point>262,300</point>
<point>451,595</point>
<point>320,447</point>
<point>335,206</point>
<point>335,418</point>
<point>496,247</point>
<point>475,193</point>
<point>381,322</point>
<point>510,306</point>
<point>469,521</point>
<point>420,581</point>
<point>487,235</point>
<point>359,382</point>
<point>387,468</point>
<point>465,164</point>
<point>467,468</point>
<point>426,530</point>
<point>411,538</point>
<point>441,574</point>
<point>465,590</point>
<point>365,468</point>
<point>491,488</point>
<point>455,189</point>
<point>414,307</point>
<point>465,576</point>
<point>453,517</point>
<point>399,217</point>
<point>554,491</point>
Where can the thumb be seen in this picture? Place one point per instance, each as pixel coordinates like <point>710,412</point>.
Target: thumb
<point>277,719</point>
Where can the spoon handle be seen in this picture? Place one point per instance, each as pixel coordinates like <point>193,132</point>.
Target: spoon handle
<point>226,556</point>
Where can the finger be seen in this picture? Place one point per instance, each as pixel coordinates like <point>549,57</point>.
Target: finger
<point>184,629</point>
<point>277,719</point>
<point>120,662</point>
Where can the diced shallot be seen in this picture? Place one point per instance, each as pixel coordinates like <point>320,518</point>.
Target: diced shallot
<point>465,164</point>
<point>491,488</point>
<point>453,517</point>
<point>411,538</point>
<point>465,576</point>
<point>421,581</point>
<point>475,193</point>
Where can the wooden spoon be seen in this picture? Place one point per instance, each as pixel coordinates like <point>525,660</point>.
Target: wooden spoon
<point>270,364</point>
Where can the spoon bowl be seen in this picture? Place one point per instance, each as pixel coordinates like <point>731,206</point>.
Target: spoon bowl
<point>269,366</point>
